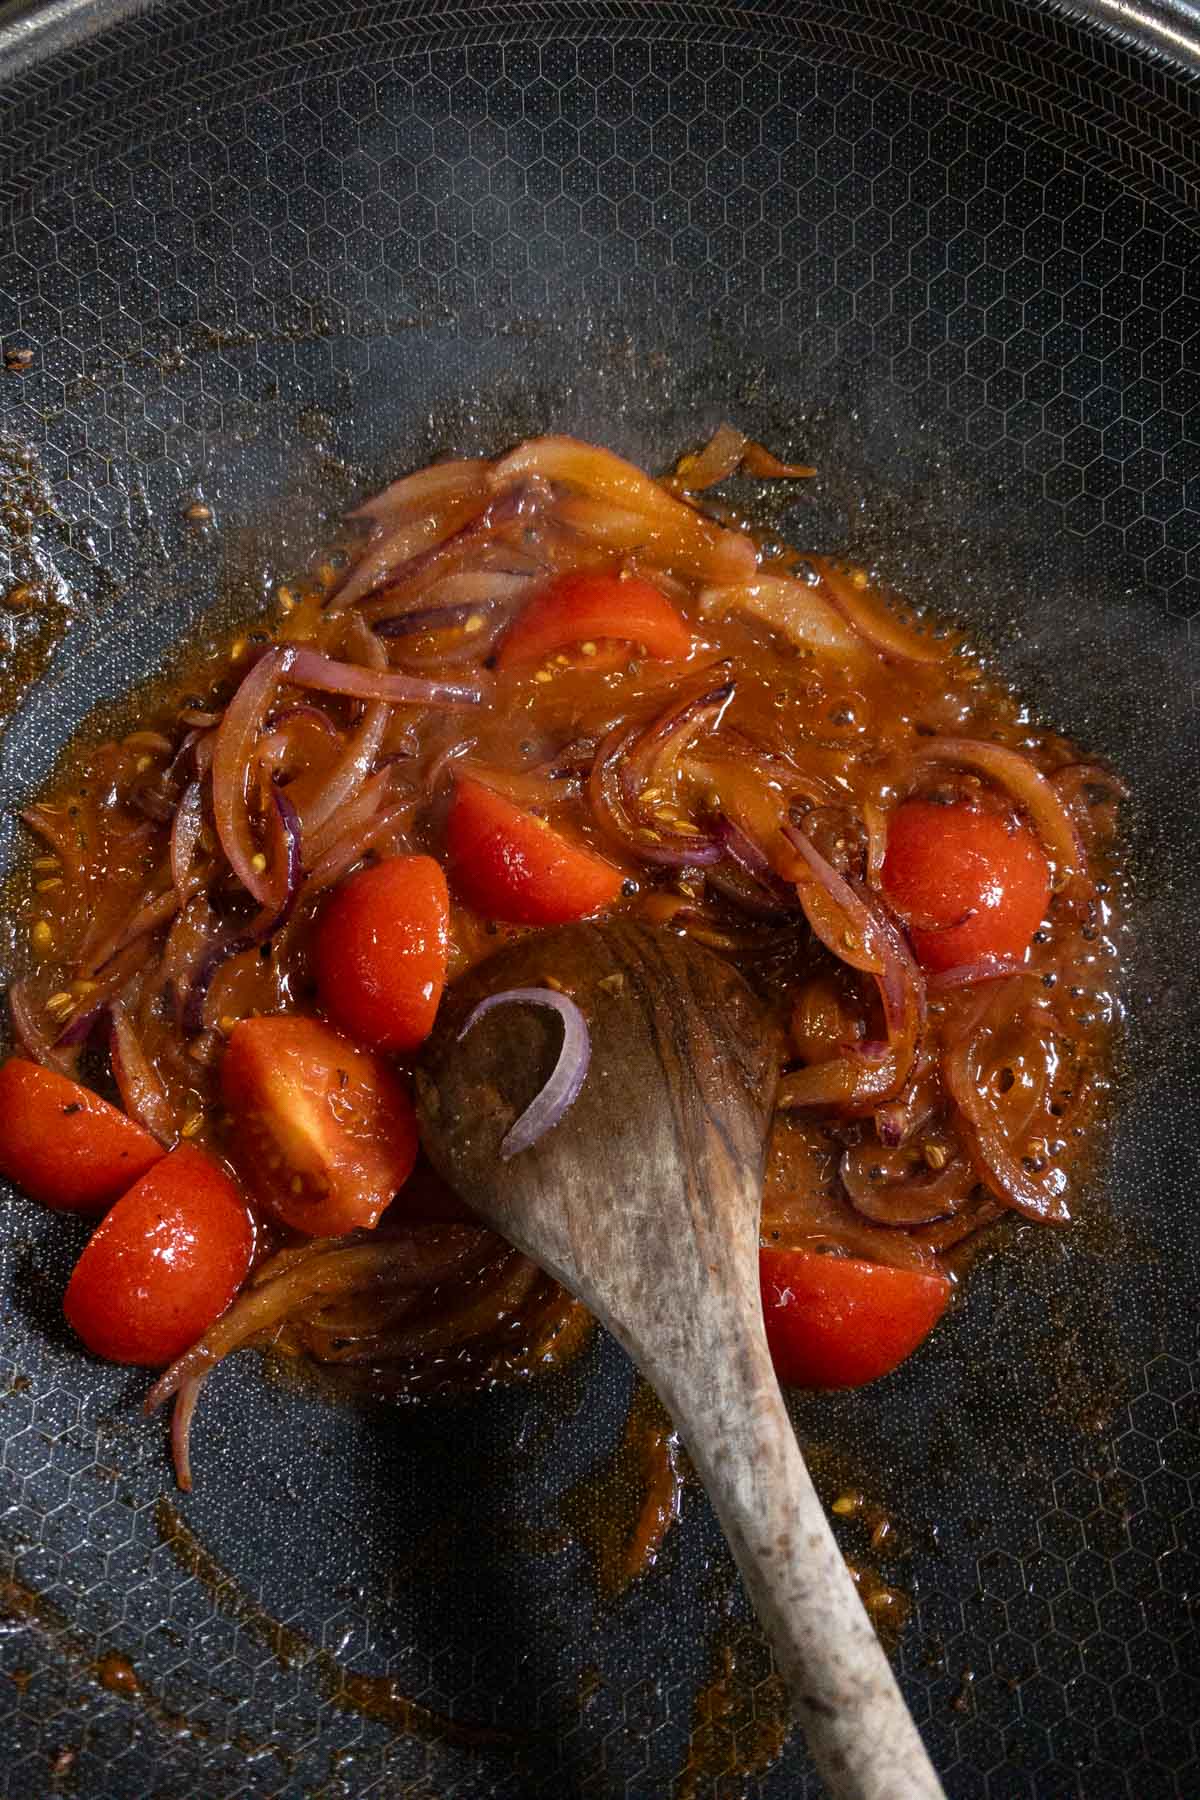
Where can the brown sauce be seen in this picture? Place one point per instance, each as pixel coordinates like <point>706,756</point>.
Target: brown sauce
<point>116,1673</point>
<point>623,1509</point>
<point>375,1696</point>
<point>111,1669</point>
<point>741,1718</point>
<point>842,730</point>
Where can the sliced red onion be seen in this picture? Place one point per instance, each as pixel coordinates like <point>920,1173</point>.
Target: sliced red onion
<point>760,462</point>
<point>303,709</point>
<point>438,485</point>
<point>1073,776</point>
<point>397,545</point>
<point>741,890</point>
<point>308,668</point>
<point>896,1121</point>
<point>386,832</point>
<point>656,843</point>
<point>988,968</point>
<point>341,784</point>
<point>82,1027</point>
<point>260,930</point>
<point>680,535</point>
<point>142,1093</point>
<point>1092,795</point>
<point>905,1192</point>
<point>348,818</point>
<point>881,629</point>
<point>630,759</point>
<point>857,930</point>
<point>1025,784</point>
<point>182,1413</point>
<point>567,1077</point>
<point>875,822</point>
<point>57,834</point>
<point>752,859</point>
<point>290,870</point>
<point>235,739</point>
<point>440,764</point>
<point>845,925</point>
<point>521,501</point>
<point>393,558</point>
<point>996,1166</point>
<point>154,912</point>
<point>31,1038</point>
<point>428,618</point>
<point>715,462</point>
<point>185,832</point>
<point>153,803</point>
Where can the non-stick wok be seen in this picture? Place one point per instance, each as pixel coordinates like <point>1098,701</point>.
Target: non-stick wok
<point>264,255</point>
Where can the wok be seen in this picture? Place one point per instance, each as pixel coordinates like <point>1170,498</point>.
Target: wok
<point>262,256</point>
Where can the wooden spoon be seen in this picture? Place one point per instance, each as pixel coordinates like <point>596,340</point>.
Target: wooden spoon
<point>644,1201</point>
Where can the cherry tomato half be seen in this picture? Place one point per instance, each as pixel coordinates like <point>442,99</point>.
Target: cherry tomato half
<point>970,883</point>
<point>323,1133</point>
<point>511,865</point>
<point>836,1322</point>
<point>163,1263</point>
<point>64,1145</point>
<point>380,952</point>
<point>583,607</point>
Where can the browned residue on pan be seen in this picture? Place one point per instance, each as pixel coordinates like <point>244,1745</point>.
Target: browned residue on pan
<point>888,1607</point>
<point>35,604</point>
<point>742,1716</point>
<point>377,1696</point>
<point>111,1669</point>
<point>623,1509</point>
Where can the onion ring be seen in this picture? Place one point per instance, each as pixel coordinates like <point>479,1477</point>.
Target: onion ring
<point>566,1078</point>
<point>1025,784</point>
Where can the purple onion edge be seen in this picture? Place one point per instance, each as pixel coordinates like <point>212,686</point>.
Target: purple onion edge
<point>192,1017</point>
<point>566,1078</point>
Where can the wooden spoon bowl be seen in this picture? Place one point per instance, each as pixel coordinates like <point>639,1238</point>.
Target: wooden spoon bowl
<point>644,1201</point>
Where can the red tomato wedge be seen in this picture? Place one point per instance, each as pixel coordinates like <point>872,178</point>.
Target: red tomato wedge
<point>584,608</point>
<point>971,883</point>
<point>323,1133</point>
<point>836,1322</point>
<point>380,952</point>
<point>511,865</point>
<point>64,1145</point>
<point>163,1263</point>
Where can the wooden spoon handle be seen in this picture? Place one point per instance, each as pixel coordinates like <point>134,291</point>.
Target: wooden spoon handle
<point>859,1731</point>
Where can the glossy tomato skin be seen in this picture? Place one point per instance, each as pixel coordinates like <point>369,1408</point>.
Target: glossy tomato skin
<point>380,952</point>
<point>586,606</point>
<point>323,1133</point>
<point>510,865</point>
<point>971,883</point>
<point>163,1263</point>
<point>64,1145</point>
<point>837,1322</point>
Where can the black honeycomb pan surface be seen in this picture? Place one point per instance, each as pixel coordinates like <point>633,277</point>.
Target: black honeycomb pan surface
<point>268,255</point>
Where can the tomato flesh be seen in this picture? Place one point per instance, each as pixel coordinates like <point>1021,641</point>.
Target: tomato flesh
<point>323,1133</point>
<point>63,1144</point>
<point>381,949</point>
<point>972,884</point>
<point>512,866</point>
<point>584,608</point>
<point>837,1322</point>
<point>163,1263</point>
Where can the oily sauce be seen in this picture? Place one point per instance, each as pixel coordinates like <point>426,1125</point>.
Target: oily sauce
<point>99,854</point>
<point>835,736</point>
